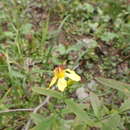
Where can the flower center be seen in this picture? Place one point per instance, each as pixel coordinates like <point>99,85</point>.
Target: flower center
<point>59,72</point>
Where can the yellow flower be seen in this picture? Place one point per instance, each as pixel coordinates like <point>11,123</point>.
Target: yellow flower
<point>59,77</point>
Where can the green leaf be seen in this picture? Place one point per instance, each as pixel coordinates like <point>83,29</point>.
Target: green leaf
<point>111,123</point>
<point>126,105</point>
<point>120,86</point>
<point>89,7</point>
<point>8,34</point>
<point>96,104</point>
<point>17,74</point>
<point>80,113</point>
<point>67,110</point>
<point>79,126</point>
<point>45,125</point>
<point>48,92</point>
<point>26,28</point>
<point>76,47</point>
<point>37,118</point>
<point>61,49</point>
<point>51,123</point>
<point>107,36</point>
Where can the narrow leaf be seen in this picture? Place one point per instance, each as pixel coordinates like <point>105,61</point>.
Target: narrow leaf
<point>96,104</point>
<point>48,92</point>
<point>123,87</point>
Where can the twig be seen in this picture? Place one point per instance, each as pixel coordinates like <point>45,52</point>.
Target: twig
<point>17,110</point>
<point>35,111</point>
<point>75,67</point>
<point>42,104</point>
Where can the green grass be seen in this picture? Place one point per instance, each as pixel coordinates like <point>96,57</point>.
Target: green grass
<point>91,37</point>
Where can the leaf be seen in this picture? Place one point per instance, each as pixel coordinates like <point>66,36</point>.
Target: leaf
<point>120,86</point>
<point>8,34</point>
<point>96,104</point>
<point>107,36</point>
<point>80,113</point>
<point>111,123</point>
<point>17,74</point>
<point>51,123</point>
<point>26,28</point>
<point>76,47</point>
<point>67,110</point>
<point>48,92</point>
<point>79,126</point>
<point>45,125</point>
<point>61,49</point>
<point>89,7</point>
<point>37,118</point>
<point>126,105</point>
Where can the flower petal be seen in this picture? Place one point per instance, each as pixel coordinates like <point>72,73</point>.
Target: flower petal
<point>72,75</point>
<point>53,81</point>
<point>62,84</point>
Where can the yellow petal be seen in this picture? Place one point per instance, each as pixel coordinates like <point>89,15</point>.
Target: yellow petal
<point>53,81</point>
<point>62,84</point>
<point>72,75</point>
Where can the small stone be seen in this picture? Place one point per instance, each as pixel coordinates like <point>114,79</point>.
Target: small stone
<point>81,94</point>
